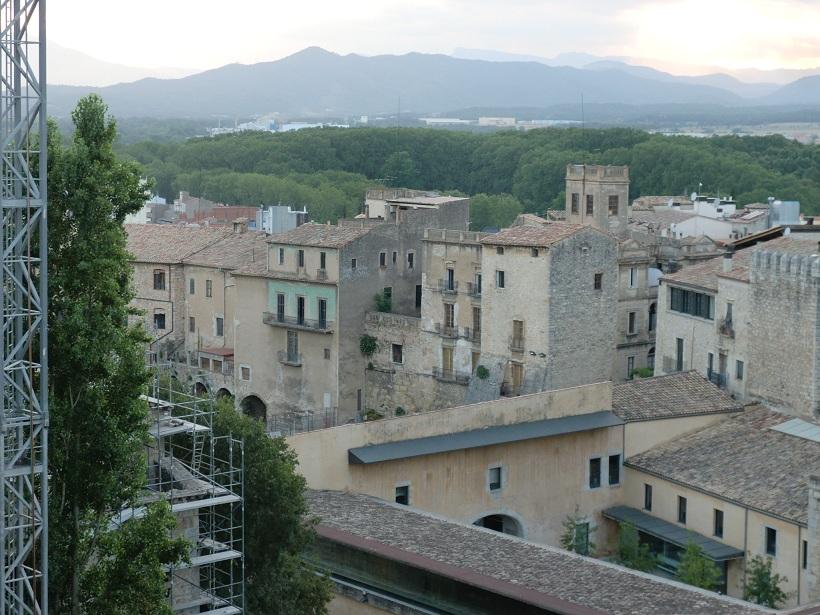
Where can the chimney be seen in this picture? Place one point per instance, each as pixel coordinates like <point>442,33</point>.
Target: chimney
<point>240,225</point>
<point>727,261</point>
<point>813,539</point>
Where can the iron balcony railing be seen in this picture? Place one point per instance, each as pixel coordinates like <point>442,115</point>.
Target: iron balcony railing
<point>474,335</point>
<point>294,322</point>
<point>321,274</point>
<point>450,375</point>
<point>288,425</point>
<point>290,358</point>
<point>726,328</point>
<point>718,379</point>
<point>516,344</point>
<point>446,286</point>
<point>446,330</point>
<point>474,290</point>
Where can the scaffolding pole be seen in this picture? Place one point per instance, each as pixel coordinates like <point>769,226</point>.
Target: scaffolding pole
<point>23,286</point>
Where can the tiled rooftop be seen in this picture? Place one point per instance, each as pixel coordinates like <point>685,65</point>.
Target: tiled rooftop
<point>320,235</point>
<point>742,460</point>
<point>514,563</point>
<point>658,218</point>
<point>676,395</point>
<point>534,236</point>
<point>170,243</point>
<point>232,251</point>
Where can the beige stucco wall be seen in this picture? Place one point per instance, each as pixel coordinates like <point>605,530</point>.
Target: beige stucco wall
<point>699,337</point>
<point>641,436</point>
<point>342,605</point>
<point>742,528</point>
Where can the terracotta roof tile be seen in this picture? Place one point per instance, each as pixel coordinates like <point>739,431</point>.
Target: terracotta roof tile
<point>320,235</point>
<point>169,243</point>
<point>682,394</point>
<point>535,236</point>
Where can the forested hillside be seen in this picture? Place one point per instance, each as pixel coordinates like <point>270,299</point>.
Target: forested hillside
<point>328,169</point>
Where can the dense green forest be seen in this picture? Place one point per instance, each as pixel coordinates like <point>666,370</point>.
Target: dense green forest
<point>328,169</point>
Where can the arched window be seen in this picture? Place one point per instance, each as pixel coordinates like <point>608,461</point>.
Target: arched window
<point>653,316</point>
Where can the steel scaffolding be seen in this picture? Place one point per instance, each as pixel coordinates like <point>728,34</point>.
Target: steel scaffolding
<point>200,476</point>
<point>24,416</point>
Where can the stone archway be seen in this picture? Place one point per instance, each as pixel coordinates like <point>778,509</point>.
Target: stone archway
<point>200,389</point>
<point>501,523</point>
<point>254,407</point>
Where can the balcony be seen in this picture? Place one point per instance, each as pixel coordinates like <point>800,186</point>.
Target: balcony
<point>450,375</point>
<point>294,322</point>
<point>321,274</point>
<point>446,330</point>
<point>726,328</point>
<point>474,335</point>
<point>294,359</point>
<point>448,287</point>
<point>474,290</point>
<point>516,344</point>
<point>718,379</point>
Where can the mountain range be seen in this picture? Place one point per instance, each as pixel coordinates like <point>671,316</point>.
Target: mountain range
<point>319,83</point>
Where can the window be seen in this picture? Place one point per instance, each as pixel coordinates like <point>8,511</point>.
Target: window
<point>494,478</point>
<point>321,305</point>
<point>280,307</point>
<point>718,531</point>
<point>300,310</point>
<point>518,334</point>
<point>534,252</point>
<point>322,260</point>
<point>710,364</point>
<point>805,563</point>
<point>382,259</point>
<point>477,283</point>
<point>245,373</point>
<point>576,202</point>
<point>630,367</point>
<point>220,326</point>
<point>590,206</point>
<point>598,283</point>
<point>594,472</point>
<point>191,286</point>
<point>327,354</point>
<point>647,497</point>
<point>387,292</point>
<point>678,354</point>
<point>681,509</point>
<point>632,319</point>
<point>450,282</point>
<point>613,204</point>
<point>352,263</point>
<point>499,279</point>
<point>476,323</point>
<point>159,321</point>
<point>582,538</point>
<point>281,259</point>
<point>403,495</point>
<point>614,470</point>
<point>293,346</point>
<point>653,316</point>
<point>300,258</point>
<point>209,288</point>
<point>692,303</point>
<point>418,296</point>
<point>205,363</point>
<point>411,258</point>
<point>216,366</point>
<point>191,324</point>
<point>771,541</point>
<point>446,359</point>
<point>398,353</point>
<point>517,374</point>
<point>499,250</point>
<point>159,279</point>
<point>358,400</point>
<point>449,315</point>
<point>739,370</point>
<point>728,312</point>
<point>395,256</point>
<point>633,277</point>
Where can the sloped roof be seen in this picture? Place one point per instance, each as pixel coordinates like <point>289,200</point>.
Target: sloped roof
<point>232,251</point>
<point>547,577</point>
<point>742,460</point>
<point>320,235</point>
<point>675,395</point>
<point>170,243</point>
<point>535,236</point>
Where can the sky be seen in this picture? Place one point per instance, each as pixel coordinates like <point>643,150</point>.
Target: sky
<point>680,35</point>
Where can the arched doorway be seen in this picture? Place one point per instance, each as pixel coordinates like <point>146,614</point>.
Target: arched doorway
<point>222,393</point>
<point>200,389</point>
<point>501,523</point>
<point>254,407</point>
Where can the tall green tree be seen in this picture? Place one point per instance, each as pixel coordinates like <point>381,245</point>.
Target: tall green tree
<point>576,534</point>
<point>493,210</point>
<point>99,425</point>
<point>762,584</point>
<point>276,530</point>
<point>696,569</point>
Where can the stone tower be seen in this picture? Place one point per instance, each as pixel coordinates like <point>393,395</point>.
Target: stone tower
<point>599,196</point>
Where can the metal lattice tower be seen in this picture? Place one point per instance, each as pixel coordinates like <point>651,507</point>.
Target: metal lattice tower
<point>23,285</point>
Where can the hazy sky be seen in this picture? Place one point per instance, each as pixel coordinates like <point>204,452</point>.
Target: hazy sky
<point>209,33</point>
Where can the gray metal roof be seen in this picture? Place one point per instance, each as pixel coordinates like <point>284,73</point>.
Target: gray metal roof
<point>486,436</point>
<point>673,533</point>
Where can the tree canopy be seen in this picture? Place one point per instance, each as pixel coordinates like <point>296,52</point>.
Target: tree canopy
<point>326,169</point>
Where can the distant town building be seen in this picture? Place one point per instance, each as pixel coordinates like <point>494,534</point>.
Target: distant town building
<point>279,218</point>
